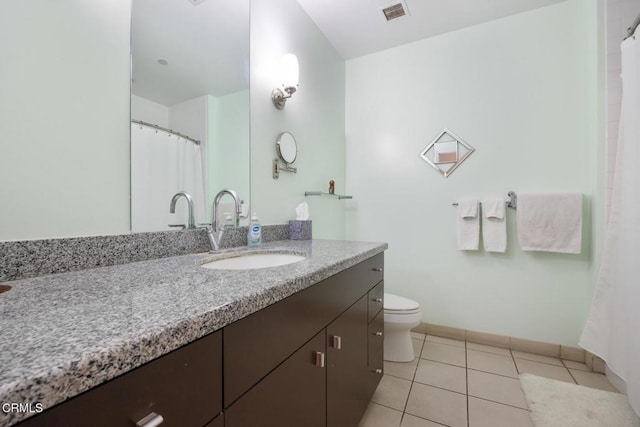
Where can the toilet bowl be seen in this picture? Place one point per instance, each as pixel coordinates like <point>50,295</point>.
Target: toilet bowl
<point>400,315</point>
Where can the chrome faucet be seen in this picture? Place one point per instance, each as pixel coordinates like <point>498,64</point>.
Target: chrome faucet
<point>172,207</point>
<point>214,231</point>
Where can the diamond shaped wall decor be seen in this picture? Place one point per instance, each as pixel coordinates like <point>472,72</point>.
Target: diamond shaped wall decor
<point>446,152</point>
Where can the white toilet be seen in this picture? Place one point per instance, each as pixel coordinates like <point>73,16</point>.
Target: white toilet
<point>400,315</point>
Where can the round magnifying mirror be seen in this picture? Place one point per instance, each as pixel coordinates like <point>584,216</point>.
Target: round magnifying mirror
<point>287,147</point>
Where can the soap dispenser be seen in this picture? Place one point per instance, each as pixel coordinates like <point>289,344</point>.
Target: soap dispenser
<point>254,237</point>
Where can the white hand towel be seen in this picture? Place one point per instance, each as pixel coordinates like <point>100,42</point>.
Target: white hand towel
<point>494,225</point>
<point>550,222</point>
<point>468,225</point>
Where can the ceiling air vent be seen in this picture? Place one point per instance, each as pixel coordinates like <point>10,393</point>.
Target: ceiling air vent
<point>395,10</point>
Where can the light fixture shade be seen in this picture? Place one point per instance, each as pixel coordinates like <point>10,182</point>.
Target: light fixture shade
<point>290,72</point>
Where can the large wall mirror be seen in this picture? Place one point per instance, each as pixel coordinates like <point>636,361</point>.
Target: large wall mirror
<point>65,99</point>
<point>189,107</point>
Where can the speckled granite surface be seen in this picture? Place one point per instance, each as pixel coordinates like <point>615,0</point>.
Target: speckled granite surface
<point>65,333</point>
<point>33,258</point>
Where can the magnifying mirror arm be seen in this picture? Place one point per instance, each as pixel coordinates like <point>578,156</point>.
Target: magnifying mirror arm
<point>215,233</point>
<point>277,167</point>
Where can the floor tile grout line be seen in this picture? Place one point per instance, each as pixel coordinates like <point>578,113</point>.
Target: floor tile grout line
<point>401,378</point>
<point>447,344</point>
<point>499,403</point>
<point>423,418</point>
<point>571,375</point>
<point>440,388</point>
<point>386,406</point>
<point>406,403</point>
<point>493,373</point>
<point>466,374</point>
<point>539,361</point>
<point>446,363</point>
<point>427,419</point>
<point>513,359</point>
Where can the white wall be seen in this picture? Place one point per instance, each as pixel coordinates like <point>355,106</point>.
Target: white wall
<point>522,91</point>
<point>64,147</point>
<point>149,111</point>
<point>315,116</point>
<point>229,149</point>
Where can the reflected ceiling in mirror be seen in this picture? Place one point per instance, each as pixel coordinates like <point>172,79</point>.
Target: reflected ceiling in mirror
<point>183,50</point>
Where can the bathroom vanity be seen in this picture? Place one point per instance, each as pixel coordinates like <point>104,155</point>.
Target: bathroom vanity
<point>294,345</point>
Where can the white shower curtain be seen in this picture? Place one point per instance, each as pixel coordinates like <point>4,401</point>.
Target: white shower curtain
<point>163,164</point>
<point>612,330</point>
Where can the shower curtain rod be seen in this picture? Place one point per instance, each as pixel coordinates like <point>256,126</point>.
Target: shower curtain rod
<point>632,28</point>
<point>173,132</point>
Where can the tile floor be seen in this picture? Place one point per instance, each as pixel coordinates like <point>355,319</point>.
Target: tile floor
<point>453,383</point>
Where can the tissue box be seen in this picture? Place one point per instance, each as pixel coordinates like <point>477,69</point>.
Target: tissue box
<point>299,230</point>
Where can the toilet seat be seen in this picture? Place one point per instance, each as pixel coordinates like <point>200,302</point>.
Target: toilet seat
<point>394,304</point>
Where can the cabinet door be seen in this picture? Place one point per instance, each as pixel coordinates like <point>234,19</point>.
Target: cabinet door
<point>347,387</point>
<point>294,394</point>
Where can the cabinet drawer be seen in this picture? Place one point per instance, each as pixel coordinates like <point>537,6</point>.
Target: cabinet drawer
<point>375,353</point>
<point>184,387</point>
<point>376,300</point>
<point>255,345</point>
<point>372,270</point>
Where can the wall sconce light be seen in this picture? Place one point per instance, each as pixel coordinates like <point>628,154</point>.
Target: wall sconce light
<point>289,77</point>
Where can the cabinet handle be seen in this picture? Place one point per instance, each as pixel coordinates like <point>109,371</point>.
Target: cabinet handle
<point>337,342</point>
<point>319,359</point>
<point>378,334</point>
<point>377,269</point>
<point>377,300</point>
<point>151,420</point>
<point>377,371</point>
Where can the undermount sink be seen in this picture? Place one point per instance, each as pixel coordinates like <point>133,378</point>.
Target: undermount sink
<point>253,260</point>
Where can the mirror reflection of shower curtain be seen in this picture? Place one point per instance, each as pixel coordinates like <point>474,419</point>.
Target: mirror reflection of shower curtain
<point>163,164</point>
<point>611,330</point>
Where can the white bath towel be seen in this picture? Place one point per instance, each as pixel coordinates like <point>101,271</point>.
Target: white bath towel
<point>550,222</point>
<point>468,225</point>
<point>494,225</point>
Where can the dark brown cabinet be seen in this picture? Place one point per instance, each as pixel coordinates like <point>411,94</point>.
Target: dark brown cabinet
<point>268,382</point>
<point>312,359</point>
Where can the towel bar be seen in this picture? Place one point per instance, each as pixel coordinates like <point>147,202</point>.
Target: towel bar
<point>511,203</point>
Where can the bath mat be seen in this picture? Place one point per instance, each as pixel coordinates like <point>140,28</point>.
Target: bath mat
<point>556,403</point>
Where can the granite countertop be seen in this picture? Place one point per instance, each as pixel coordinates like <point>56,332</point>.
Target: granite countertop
<point>63,334</point>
